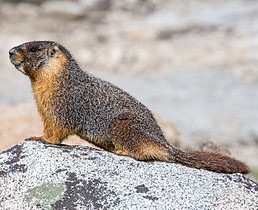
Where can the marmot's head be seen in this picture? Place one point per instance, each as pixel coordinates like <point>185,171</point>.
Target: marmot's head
<point>32,57</point>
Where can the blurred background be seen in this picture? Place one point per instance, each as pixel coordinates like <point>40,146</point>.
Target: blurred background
<point>194,63</point>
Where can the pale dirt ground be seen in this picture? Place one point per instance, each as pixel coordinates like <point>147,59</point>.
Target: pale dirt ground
<point>193,63</point>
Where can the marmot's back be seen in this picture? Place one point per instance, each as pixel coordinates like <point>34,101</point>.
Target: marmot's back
<point>94,103</point>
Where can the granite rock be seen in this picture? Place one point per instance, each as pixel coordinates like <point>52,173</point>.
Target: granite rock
<point>34,175</point>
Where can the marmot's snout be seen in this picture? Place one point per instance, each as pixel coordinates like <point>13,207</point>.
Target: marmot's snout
<point>16,59</point>
<point>11,52</point>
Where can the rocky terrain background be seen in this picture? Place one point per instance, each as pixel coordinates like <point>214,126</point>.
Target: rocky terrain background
<point>193,63</point>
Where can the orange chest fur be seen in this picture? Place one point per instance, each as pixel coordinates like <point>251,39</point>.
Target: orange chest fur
<point>45,86</point>
<point>44,92</point>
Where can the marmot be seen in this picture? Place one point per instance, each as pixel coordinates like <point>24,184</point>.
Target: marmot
<point>72,102</point>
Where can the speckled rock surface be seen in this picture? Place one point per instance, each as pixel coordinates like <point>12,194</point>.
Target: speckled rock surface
<point>34,175</point>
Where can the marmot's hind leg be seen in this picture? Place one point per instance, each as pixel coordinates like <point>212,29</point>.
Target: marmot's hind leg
<point>128,140</point>
<point>143,151</point>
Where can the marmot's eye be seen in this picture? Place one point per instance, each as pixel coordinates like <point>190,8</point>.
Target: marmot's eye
<point>33,49</point>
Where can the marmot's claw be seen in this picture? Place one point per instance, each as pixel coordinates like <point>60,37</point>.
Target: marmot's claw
<point>41,139</point>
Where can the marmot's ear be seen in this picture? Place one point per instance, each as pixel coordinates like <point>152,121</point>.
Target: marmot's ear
<point>53,50</point>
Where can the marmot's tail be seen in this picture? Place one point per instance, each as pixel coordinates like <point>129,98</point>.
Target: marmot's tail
<point>210,161</point>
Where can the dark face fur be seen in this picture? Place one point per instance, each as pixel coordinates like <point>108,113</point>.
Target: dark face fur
<point>31,56</point>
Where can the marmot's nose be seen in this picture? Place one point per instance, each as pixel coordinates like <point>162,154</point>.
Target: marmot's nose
<point>11,52</point>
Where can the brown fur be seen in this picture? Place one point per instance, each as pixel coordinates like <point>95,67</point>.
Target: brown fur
<point>108,116</point>
<point>127,140</point>
<point>211,161</point>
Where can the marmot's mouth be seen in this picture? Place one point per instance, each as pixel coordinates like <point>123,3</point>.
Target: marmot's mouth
<point>18,66</point>
<point>15,61</point>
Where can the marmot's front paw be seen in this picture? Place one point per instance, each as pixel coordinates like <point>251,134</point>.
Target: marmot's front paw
<point>33,138</point>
